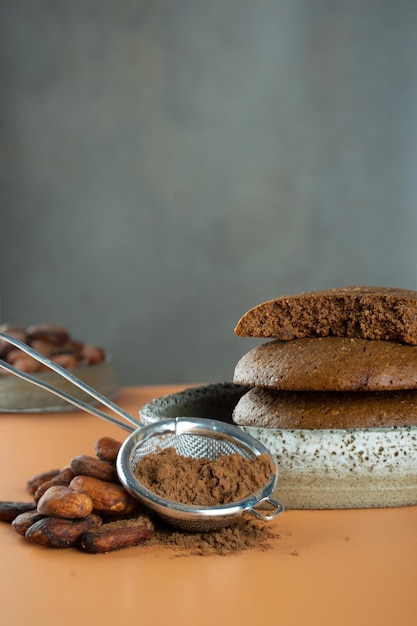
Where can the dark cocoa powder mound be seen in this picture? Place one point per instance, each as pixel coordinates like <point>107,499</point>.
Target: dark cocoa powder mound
<point>203,482</point>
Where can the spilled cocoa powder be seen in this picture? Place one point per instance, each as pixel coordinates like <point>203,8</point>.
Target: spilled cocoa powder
<point>242,535</point>
<point>201,481</point>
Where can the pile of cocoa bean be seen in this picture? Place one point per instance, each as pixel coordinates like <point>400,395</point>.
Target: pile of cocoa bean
<point>82,504</point>
<point>49,340</point>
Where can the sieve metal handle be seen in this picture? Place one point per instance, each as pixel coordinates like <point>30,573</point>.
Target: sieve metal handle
<point>267,517</point>
<point>75,381</point>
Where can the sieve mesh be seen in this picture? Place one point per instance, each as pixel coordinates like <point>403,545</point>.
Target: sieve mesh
<point>196,446</point>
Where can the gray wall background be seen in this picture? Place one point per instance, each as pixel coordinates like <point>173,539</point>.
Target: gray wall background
<point>168,164</point>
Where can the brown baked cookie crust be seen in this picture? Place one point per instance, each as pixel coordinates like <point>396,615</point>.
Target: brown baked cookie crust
<point>269,408</point>
<point>329,364</point>
<point>364,312</point>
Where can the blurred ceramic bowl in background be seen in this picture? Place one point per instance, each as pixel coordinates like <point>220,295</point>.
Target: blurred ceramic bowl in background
<point>87,362</point>
<point>17,395</point>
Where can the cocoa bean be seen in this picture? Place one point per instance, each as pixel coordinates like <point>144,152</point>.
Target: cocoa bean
<point>37,480</point>
<point>9,510</point>
<point>65,360</point>
<point>56,335</point>
<point>46,485</point>
<point>23,521</point>
<point>62,501</point>
<point>92,354</point>
<point>72,347</point>
<point>108,498</point>
<point>64,477</point>
<point>107,449</point>
<point>117,535</point>
<point>91,466</point>
<point>23,362</point>
<point>14,331</point>
<point>60,533</point>
<point>45,348</point>
<point>14,355</point>
<point>42,489</point>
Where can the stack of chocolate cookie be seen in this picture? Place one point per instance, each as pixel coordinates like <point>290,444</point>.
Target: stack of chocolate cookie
<point>338,359</point>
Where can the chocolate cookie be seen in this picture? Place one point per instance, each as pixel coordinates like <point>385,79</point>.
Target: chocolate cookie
<point>333,410</point>
<point>329,364</point>
<point>364,312</point>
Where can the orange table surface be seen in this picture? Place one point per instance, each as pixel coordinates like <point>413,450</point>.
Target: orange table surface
<point>344,568</point>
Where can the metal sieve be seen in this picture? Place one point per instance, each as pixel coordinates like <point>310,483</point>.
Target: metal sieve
<point>190,437</point>
<point>196,438</point>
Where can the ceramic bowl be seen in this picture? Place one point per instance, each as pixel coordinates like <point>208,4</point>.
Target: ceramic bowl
<point>17,395</point>
<point>318,469</point>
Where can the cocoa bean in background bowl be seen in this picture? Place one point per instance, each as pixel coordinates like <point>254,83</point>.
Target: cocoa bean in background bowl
<point>89,363</point>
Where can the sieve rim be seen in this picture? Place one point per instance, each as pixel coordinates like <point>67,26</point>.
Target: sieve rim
<point>179,510</point>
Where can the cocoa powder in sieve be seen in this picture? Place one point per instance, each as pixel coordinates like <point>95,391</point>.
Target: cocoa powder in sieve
<point>203,482</point>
